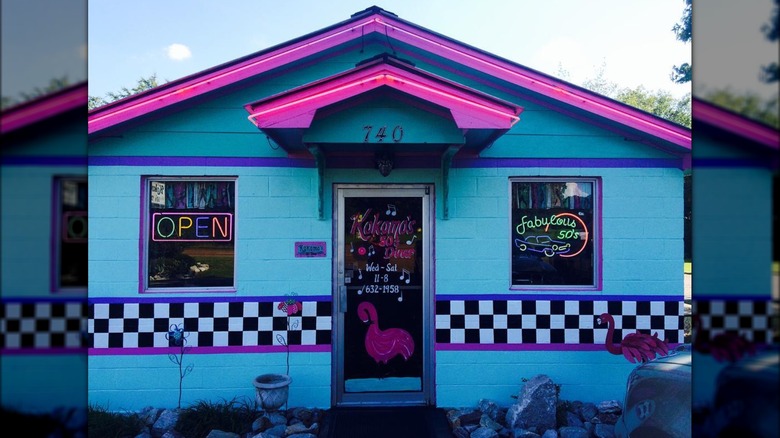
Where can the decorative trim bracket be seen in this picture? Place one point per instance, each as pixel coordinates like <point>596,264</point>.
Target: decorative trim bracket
<point>319,158</point>
<point>446,162</point>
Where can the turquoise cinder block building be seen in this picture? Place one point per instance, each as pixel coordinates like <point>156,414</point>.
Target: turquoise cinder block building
<point>388,215</point>
<point>735,163</point>
<point>43,253</point>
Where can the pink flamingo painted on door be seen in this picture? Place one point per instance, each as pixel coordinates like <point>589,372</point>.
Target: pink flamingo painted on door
<point>383,345</point>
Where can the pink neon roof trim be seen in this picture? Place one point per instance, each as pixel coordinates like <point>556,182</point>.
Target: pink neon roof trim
<point>296,108</point>
<point>722,118</point>
<point>390,26</point>
<point>42,108</point>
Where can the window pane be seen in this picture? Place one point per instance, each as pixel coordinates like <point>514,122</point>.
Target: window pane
<point>72,232</point>
<point>552,232</point>
<point>191,233</point>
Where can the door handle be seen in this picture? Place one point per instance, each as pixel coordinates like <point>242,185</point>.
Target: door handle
<point>343,299</point>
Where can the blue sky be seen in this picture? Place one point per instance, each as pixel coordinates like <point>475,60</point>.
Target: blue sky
<point>129,39</point>
<point>41,40</point>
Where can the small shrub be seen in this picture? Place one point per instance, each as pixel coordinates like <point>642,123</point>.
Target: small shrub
<point>32,424</point>
<point>105,424</point>
<point>236,415</point>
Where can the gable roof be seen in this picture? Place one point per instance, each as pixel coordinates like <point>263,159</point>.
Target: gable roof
<point>44,108</point>
<point>380,23</point>
<point>728,121</point>
<point>759,141</point>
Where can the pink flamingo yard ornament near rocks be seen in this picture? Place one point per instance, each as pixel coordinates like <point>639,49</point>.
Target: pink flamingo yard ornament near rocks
<point>383,345</point>
<point>636,347</point>
<point>724,347</point>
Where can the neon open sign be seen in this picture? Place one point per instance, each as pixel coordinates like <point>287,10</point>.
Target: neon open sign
<point>74,226</point>
<point>192,227</point>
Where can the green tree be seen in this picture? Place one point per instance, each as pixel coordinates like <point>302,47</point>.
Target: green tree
<point>54,85</point>
<point>142,84</point>
<point>600,84</point>
<point>770,73</point>
<point>660,103</point>
<point>681,74</point>
<point>749,105</point>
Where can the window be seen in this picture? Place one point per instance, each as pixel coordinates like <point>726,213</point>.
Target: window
<point>70,234</point>
<point>190,234</point>
<point>553,232</point>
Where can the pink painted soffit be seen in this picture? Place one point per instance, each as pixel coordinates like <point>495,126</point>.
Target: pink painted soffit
<point>732,122</point>
<point>43,108</point>
<point>394,28</point>
<point>296,109</point>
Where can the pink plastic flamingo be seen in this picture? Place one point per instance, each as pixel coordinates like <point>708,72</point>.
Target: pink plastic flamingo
<point>383,345</point>
<point>636,347</point>
<point>724,347</point>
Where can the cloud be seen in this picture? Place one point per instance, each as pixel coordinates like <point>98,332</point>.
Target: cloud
<point>178,52</point>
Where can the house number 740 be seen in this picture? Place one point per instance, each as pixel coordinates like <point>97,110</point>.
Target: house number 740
<point>397,134</point>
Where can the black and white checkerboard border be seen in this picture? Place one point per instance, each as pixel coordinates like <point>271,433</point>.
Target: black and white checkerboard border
<point>207,324</point>
<point>470,320</point>
<point>752,319</point>
<point>54,325</point>
<point>550,321</point>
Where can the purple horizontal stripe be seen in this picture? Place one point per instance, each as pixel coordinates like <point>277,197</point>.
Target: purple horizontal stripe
<point>697,297</point>
<point>359,162</point>
<point>734,163</point>
<point>209,350</point>
<point>559,297</point>
<point>157,299</point>
<point>201,161</point>
<point>39,300</point>
<point>44,161</point>
<point>76,351</point>
<point>568,162</point>
<point>525,347</point>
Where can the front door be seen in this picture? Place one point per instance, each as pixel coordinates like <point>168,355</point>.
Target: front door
<point>382,297</point>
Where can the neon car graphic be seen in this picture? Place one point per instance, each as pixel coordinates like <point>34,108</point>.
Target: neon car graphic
<point>543,244</point>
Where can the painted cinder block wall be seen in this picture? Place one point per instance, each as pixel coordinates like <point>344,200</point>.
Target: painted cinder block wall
<point>735,162</point>
<point>640,240</point>
<point>44,362</point>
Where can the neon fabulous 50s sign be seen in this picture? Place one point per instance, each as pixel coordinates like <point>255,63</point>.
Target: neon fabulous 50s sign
<point>561,234</point>
<point>192,227</point>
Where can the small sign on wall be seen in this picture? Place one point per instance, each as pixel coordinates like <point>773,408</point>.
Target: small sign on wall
<point>310,249</point>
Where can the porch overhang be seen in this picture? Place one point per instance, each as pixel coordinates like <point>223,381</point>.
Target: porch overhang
<point>288,116</point>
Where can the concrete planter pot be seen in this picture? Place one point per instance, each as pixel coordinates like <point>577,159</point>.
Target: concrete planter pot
<point>272,390</point>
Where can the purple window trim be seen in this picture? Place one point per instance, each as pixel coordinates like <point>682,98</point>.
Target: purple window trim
<point>598,285</point>
<point>55,240</point>
<point>143,259</point>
